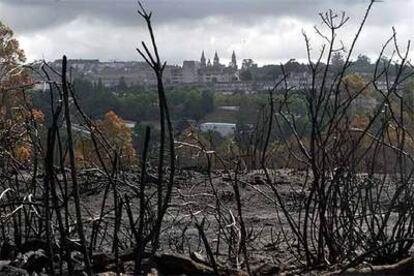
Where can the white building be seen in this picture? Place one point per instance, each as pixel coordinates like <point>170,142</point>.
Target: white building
<point>224,129</point>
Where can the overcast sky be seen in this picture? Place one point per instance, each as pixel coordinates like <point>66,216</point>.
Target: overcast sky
<point>268,31</point>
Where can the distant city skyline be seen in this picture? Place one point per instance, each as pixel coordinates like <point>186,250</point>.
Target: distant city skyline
<point>267,31</point>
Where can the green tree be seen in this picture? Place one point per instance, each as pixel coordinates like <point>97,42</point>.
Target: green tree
<point>207,102</point>
<point>363,64</point>
<point>122,85</point>
<point>12,74</point>
<point>337,60</point>
<point>15,110</point>
<point>246,75</point>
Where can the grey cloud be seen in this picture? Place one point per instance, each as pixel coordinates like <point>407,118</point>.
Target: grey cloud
<point>32,15</point>
<point>266,30</point>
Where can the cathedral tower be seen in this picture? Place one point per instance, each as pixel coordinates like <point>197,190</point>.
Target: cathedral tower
<point>216,61</point>
<point>233,63</point>
<point>203,60</point>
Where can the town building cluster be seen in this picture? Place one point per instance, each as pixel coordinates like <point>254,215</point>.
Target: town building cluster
<point>205,72</point>
<point>139,73</point>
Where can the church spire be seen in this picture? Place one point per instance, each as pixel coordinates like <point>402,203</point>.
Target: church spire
<point>216,61</point>
<point>203,59</point>
<point>233,62</point>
